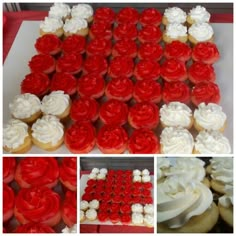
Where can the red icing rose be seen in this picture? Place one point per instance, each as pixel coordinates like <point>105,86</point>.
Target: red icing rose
<point>127,15</point>
<point>87,197</point>
<point>150,51</point>
<point>74,44</point>
<point>115,207</point>
<point>65,82</point>
<point>39,205</point>
<point>100,30</point>
<point>8,202</point>
<point>112,139</point>
<point>99,46</point>
<point>91,85</point>
<point>147,185</point>
<point>206,52</point>
<point>150,33</point>
<point>207,92</point>
<point>144,115</point>
<point>150,16</point>
<point>80,137</point>
<point>146,70</point>
<point>103,216</point>
<point>35,83</point>
<point>173,70</point>
<point>125,47</point>
<point>114,112</point>
<point>9,166</point>
<point>48,44</point>
<point>147,91</point>
<point>120,88</point>
<point>125,31</point>
<point>114,217</point>
<point>34,228</point>
<point>178,50</point>
<point>199,72</point>
<point>104,14</point>
<point>176,92</point>
<point>125,209</point>
<point>125,219</point>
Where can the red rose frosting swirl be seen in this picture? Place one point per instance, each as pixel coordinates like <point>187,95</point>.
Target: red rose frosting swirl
<point>100,30</point>
<point>144,115</point>
<point>9,166</point>
<point>39,205</point>
<point>125,219</point>
<point>112,139</point>
<point>84,109</point>
<point>176,92</point>
<point>34,228</point>
<point>104,14</point>
<point>80,137</point>
<point>125,47</point>
<point>150,16</point>
<point>147,70</point>
<point>37,171</point>
<point>99,46</point>
<point>8,202</point>
<point>150,33</point>
<point>150,51</point>
<point>103,216</point>
<point>127,15</point>
<point>205,92</point>
<point>173,70</point>
<point>199,72</point>
<point>120,88</point>
<point>125,31</point>
<point>206,52</point>
<point>144,141</point>
<point>114,112</point>
<point>178,50</point>
<point>147,91</point>
<point>74,44</point>
<point>91,85</point>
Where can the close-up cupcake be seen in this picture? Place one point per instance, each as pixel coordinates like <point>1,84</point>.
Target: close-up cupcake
<point>77,26</point>
<point>51,26</point>
<point>174,15</point>
<point>150,51</point>
<point>174,32</point>
<point>82,11</point>
<point>198,14</point>
<point>127,15</point>
<point>150,34</point>
<point>125,31</point>
<point>150,16</point>
<point>125,47</point>
<point>99,46</point>
<point>60,11</point>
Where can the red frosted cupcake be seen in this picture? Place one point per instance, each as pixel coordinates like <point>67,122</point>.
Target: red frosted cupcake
<point>147,70</point>
<point>69,209</point>
<point>44,63</point>
<point>99,46</point>
<point>39,205</point>
<point>125,47</point>
<point>113,112</point>
<point>150,16</point>
<point>95,64</point>
<point>68,173</point>
<point>177,50</point>
<point>121,66</point>
<point>45,169</point>
<point>199,72</point>
<point>87,197</point>
<point>176,92</point>
<point>112,139</point>
<point>144,115</point>
<point>91,85</point>
<point>125,31</point>
<point>125,219</point>
<point>48,44</point>
<point>105,15</point>
<point>35,83</point>
<point>34,228</point>
<point>125,209</point>
<point>206,52</point>
<point>114,218</point>
<point>84,109</point>
<point>8,202</point>
<point>115,207</point>
<point>127,15</point>
<point>207,92</point>
<point>74,44</point>
<point>120,88</point>
<point>144,141</point>
<point>9,166</point>
<point>100,30</point>
<point>150,33</point>
<point>65,82</point>
<point>173,70</point>
<point>147,91</point>
<point>150,51</point>
<point>103,216</point>
<point>80,137</point>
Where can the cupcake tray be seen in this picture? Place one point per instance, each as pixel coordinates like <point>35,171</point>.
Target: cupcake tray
<point>16,67</point>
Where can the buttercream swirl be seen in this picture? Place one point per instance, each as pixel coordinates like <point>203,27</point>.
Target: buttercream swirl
<point>199,14</point>
<point>83,11</point>
<point>201,31</point>
<point>137,218</point>
<point>175,30</point>
<point>91,214</point>
<point>51,24</point>
<point>162,163</point>
<point>227,200</point>
<point>74,24</point>
<point>175,15</point>
<point>59,10</point>
<point>148,220</point>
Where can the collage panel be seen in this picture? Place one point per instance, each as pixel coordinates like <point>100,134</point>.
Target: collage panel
<point>195,194</point>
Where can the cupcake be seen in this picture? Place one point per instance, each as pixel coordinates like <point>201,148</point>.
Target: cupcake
<point>100,47</point>
<point>150,51</point>
<point>137,219</point>
<point>100,30</point>
<point>198,14</point>
<point>125,31</point>
<point>9,166</point>
<point>125,47</point>
<point>82,11</point>
<point>59,11</point>
<point>175,31</point>
<point>51,26</point>
<point>148,209</point>
<point>104,15</point>
<point>148,220</point>
<point>146,178</point>
<point>94,204</point>
<point>91,214</point>
<point>150,16</point>
<point>127,15</point>
<point>137,208</point>
<point>8,202</point>
<point>174,15</point>
<point>150,34</point>
<point>76,26</point>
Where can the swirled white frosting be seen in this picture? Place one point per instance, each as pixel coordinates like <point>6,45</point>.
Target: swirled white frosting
<point>148,209</point>
<point>92,176</point>
<point>227,200</point>
<point>176,140</point>
<point>51,24</point>
<point>59,10</point>
<point>84,205</point>
<point>176,30</point>
<point>199,14</point>
<point>148,220</point>
<point>210,116</point>
<point>24,105</point>
<point>55,103</point>
<point>176,114</point>
<point>14,133</point>
<point>74,24</point>
<point>137,218</point>
<point>137,178</point>
<point>71,230</point>
<point>83,11</point>
<point>94,204</point>
<point>101,176</point>
<point>146,178</point>
<point>145,172</point>
<point>162,163</point>
<point>48,129</point>
<point>212,142</point>
<point>179,200</point>
<point>201,31</point>
<point>95,170</point>
<point>91,214</point>
<point>175,15</point>
<point>103,171</point>
<point>136,172</point>
<point>138,208</point>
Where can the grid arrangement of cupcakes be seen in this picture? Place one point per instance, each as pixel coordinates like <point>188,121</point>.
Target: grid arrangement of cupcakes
<point>118,197</point>
<point>119,86</point>
<point>39,195</point>
<point>202,195</point>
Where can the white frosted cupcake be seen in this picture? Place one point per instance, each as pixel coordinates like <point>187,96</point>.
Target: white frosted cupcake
<point>136,172</point>
<point>91,214</point>
<point>94,204</point>
<point>163,165</point>
<point>176,140</point>
<point>25,107</point>
<point>92,176</point>
<point>198,14</point>
<point>83,11</point>
<point>101,176</point>
<point>174,15</point>
<point>137,178</point>
<point>209,117</point>
<point>95,170</point>
<point>137,219</point>
<point>148,220</point>
<point>76,26</point>
<point>176,114</point>
<point>137,208</point>
<point>148,209</point>
<point>59,10</point>
<point>175,31</point>
<point>82,216</point>
<point>70,230</point>
<point>51,26</point>
<point>146,178</point>
<point>84,205</point>
<point>103,171</point>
